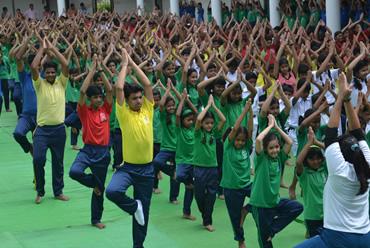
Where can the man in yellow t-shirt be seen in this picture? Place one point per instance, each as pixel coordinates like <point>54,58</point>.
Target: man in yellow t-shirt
<point>50,131</point>
<point>135,115</point>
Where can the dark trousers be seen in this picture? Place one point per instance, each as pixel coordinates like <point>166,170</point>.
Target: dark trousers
<point>165,162</point>
<point>96,158</point>
<point>5,90</point>
<point>335,239</point>
<point>17,98</point>
<point>270,221</point>
<point>117,140</point>
<point>73,120</point>
<point>234,199</point>
<point>53,138</point>
<point>140,176</point>
<point>220,156</point>
<point>26,123</point>
<point>1,104</point>
<point>205,187</point>
<point>185,174</point>
<point>313,227</point>
<point>156,149</point>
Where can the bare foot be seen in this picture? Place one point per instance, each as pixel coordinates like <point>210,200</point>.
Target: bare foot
<point>99,225</point>
<point>244,214</point>
<point>157,191</point>
<point>38,199</point>
<point>159,175</point>
<point>292,193</point>
<point>221,197</point>
<point>283,185</point>
<point>175,202</point>
<point>31,149</point>
<point>75,147</point>
<point>242,244</point>
<point>269,239</point>
<point>188,216</point>
<point>62,197</point>
<point>209,228</point>
<point>288,163</point>
<point>252,172</point>
<point>97,191</point>
<point>190,186</point>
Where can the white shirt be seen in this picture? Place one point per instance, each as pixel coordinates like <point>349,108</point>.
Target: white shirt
<point>344,210</point>
<point>354,94</point>
<point>322,79</point>
<point>31,14</point>
<point>300,107</point>
<point>255,107</point>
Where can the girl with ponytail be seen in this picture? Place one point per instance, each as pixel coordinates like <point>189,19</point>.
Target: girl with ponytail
<point>346,192</point>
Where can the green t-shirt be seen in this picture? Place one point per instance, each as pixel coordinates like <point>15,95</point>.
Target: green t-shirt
<point>13,70</point>
<point>304,20</point>
<point>73,92</point>
<point>205,154</point>
<point>224,14</point>
<point>302,137</point>
<point>232,111</point>
<point>209,17</point>
<point>185,145</point>
<point>5,49</point>
<point>250,16</point>
<point>236,165</point>
<point>157,127</point>
<point>112,117</point>
<point>290,20</point>
<point>266,184</point>
<point>313,183</point>
<point>317,16</point>
<point>262,123</point>
<point>5,68</point>
<point>192,93</point>
<point>367,138</point>
<point>169,138</point>
<point>204,100</point>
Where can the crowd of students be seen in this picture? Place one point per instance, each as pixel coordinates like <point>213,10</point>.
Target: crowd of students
<point>220,104</point>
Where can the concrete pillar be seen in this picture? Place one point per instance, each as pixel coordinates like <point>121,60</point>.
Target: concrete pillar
<point>61,5</point>
<point>333,15</point>
<point>175,7</point>
<point>141,4</point>
<point>216,11</point>
<point>274,14</point>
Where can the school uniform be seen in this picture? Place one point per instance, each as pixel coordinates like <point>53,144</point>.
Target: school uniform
<point>205,172</point>
<point>297,110</point>
<point>72,96</point>
<point>165,159</point>
<point>4,78</point>
<point>270,212</point>
<point>334,75</point>
<point>137,169</point>
<point>236,181</point>
<point>219,146</point>
<point>117,141</point>
<point>346,223</point>
<point>94,155</point>
<point>302,137</point>
<point>27,119</point>
<point>232,111</point>
<point>192,93</point>
<point>280,120</point>
<point>50,132</point>
<point>15,85</point>
<point>157,139</point>
<point>355,91</point>
<point>184,162</point>
<point>313,183</point>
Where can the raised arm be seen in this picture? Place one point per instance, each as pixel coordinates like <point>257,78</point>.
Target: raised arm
<point>120,96</point>
<point>261,136</point>
<point>61,59</point>
<point>234,130</point>
<point>266,105</point>
<point>87,81</point>
<point>303,153</point>
<point>203,113</point>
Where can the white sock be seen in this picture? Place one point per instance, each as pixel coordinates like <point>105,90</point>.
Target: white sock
<point>139,214</point>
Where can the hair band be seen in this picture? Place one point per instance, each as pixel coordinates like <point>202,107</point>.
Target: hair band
<point>186,111</point>
<point>315,146</point>
<point>354,146</point>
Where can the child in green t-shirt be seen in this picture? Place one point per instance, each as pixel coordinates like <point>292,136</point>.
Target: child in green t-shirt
<point>270,212</point>
<point>312,174</point>
<point>205,162</point>
<point>165,159</point>
<point>236,177</point>
<point>185,121</point>
<point>157,136</point>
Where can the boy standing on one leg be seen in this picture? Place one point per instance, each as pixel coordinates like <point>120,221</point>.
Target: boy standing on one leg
<point>95,154</point>
<point>135,115</point>
<point>50,131</point>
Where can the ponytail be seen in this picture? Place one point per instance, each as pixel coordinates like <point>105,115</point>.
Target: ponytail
<point>226,134</point>
<point>362,170</point>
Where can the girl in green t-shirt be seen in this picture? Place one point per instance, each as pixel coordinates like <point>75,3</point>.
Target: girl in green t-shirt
<point>236,167</point>
<point>205,162</point>
<point>270,212</point>
<point>185,121</point>
<point>165,159</point>
<point>189,82</point>
<point>312,174</point>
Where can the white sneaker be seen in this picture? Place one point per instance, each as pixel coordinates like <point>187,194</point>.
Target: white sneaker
<point>139,214</point>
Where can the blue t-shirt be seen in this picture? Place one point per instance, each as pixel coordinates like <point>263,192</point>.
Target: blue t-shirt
<point>191,11</point>
<point>344,16</point>
<point>200,15</point>
<point>28,93</point>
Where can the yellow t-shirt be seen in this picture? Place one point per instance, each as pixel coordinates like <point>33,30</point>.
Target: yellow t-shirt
<point>261,82</point>
<point>137,132</point>
<point>50,100</point>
